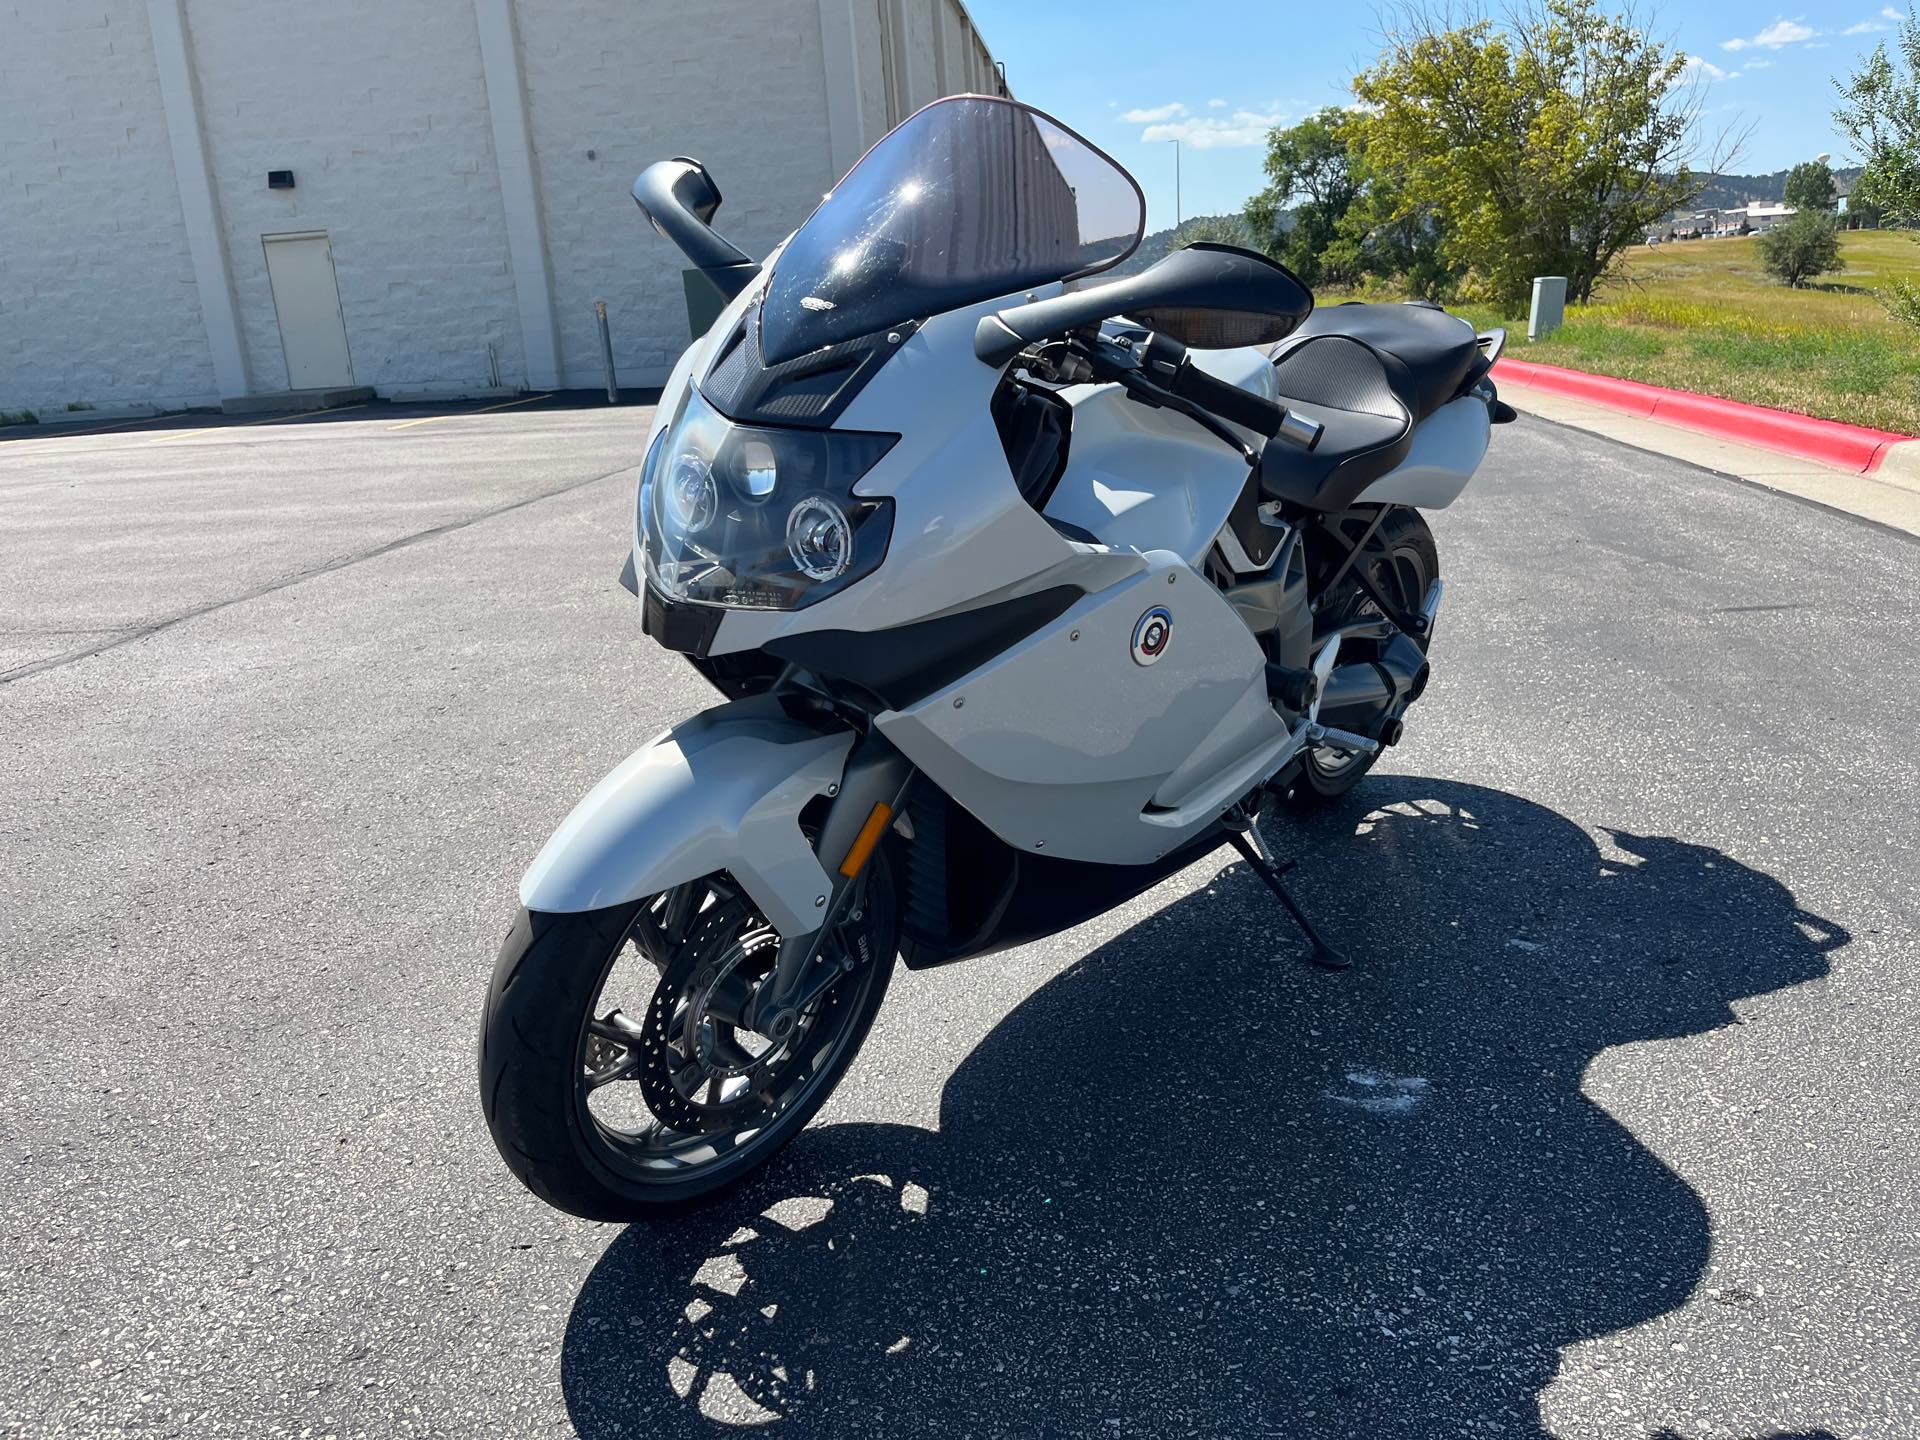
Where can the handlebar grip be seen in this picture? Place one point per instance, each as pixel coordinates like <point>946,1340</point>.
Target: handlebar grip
<point>1226,399</point>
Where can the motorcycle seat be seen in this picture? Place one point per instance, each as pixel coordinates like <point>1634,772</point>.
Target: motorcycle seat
<point>1350,390</point>
<point>1367,374</point>
<point>1436,351</point>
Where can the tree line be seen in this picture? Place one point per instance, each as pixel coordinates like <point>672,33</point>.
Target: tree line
<point>1478,155</point>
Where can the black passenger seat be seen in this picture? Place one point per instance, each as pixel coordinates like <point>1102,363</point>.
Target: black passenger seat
<point>1436,348</point>
<point>1367,374</point>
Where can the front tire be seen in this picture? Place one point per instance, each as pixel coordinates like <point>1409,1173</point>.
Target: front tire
<point>544,1050</point>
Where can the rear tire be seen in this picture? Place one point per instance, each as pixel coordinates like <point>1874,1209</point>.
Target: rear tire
<point>1403,561</point>
<point>534,1034</point>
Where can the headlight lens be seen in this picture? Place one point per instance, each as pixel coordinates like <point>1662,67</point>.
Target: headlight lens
<point>758,518</point>
<point>690,497</point>
<point>820,538</point>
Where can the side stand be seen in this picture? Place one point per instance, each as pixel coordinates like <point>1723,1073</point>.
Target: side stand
<point>1253,851</point>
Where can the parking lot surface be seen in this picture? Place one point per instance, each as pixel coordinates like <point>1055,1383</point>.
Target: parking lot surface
<point>1610,1134</point>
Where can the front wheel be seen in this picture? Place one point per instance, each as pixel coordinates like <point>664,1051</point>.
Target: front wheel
<point>617,1078</point>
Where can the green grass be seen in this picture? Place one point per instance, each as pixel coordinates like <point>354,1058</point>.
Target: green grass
<point>1702,315</point>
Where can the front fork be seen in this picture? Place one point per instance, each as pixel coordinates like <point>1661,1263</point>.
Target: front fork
<point>864,804</point>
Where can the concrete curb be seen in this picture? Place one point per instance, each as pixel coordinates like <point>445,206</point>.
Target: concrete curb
<point>1831,442</point>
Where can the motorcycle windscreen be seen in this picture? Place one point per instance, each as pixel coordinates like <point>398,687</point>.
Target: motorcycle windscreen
<point>970,198</point>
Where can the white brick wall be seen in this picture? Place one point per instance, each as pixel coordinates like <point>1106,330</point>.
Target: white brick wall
<point>737,84</point>
<point>381,110</point>
<point>97,298</point>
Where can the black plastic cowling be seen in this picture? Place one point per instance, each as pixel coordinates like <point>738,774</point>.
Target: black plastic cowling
<point>1200,286</point>
<point>680,198</point>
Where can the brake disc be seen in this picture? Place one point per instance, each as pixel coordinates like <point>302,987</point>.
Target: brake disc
<point>699,1069</point>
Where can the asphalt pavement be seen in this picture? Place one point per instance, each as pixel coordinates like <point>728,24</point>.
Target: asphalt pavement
<point>1611,1133</point>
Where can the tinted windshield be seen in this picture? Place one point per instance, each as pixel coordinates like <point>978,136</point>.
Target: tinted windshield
<point>968,199</point>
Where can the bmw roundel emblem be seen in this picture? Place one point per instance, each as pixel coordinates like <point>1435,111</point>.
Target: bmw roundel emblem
<point>1150,635</point>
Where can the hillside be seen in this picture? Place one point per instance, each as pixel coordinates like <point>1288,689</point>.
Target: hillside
<point>1156,245</point>
<point>1725,192</point>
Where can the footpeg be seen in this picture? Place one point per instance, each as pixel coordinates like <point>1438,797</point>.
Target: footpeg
<point>1345,741</point>
<point>1253,850</point>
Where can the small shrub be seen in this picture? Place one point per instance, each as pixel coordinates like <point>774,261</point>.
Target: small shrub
<point>1901,300</point>
<point>18,417</point>
<point>1806,246</point>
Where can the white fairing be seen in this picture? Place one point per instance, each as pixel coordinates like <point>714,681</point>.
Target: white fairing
<point>1143,479</point>
<point>722,791</point>
<point>1062,744</point>
<point>1447,448</point>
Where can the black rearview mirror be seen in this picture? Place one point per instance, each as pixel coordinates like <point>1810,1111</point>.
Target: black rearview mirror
<point>679,198</point>
<point>1206,296</point>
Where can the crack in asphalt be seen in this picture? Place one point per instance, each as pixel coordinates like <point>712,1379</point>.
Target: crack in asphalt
<point>130,634</point>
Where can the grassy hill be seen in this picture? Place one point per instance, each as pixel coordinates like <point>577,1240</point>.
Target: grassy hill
<point>1701,315</point>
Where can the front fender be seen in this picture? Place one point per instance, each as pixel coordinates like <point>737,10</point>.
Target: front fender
<point>722,791</point>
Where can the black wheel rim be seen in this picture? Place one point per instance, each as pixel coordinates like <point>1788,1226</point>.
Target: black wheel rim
<point>676,1088</point>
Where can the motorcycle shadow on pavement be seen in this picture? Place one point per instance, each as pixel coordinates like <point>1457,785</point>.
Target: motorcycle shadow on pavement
<point>1192,1186</point>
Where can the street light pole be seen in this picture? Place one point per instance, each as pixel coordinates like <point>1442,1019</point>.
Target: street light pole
<point>1176,182</point>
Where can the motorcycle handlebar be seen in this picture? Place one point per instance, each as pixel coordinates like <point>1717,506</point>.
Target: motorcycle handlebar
<point>1226,399</point>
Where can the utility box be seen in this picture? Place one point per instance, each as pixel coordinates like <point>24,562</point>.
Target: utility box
<point>1549,310</point>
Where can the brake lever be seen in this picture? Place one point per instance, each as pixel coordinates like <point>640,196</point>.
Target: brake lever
<point>1129,375</point>
<point>1140,388</point>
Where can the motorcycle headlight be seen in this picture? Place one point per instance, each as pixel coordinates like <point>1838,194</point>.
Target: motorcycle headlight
<point>758,518</point>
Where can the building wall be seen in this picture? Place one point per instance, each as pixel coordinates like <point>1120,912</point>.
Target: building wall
<point>383,111</point>
<point>97,295</point>
<point>383,119</point>
<point>740,87</point>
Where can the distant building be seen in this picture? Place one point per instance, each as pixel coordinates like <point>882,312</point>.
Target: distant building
<point>1763,215</point>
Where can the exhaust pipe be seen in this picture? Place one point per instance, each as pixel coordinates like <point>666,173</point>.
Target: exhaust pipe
<point>1361,696</point>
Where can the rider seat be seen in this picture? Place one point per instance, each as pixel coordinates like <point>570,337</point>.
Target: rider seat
<point>1367,374</point>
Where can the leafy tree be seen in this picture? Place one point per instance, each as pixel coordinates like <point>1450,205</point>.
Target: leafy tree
<point>1880,111</point>
<point>1543,145</point>
<point>1810,186</point>
<point>1806,246</point>
<point>1345,217</point>
<point>1313,168</point>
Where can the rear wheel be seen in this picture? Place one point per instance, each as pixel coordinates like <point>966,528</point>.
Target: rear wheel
<point>617,1075</point>
<point>1402,561</point>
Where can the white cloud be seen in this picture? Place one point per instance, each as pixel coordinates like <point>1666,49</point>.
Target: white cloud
<point>1775,36</point>
<point>1889,17</point>
<point>1696,68</point>
<point>1758,64</point>
<point>1214,132</point>
<point>1216,104</point>
<point>1154,113</point>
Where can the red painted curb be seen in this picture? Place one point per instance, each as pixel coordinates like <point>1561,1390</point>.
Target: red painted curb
<point>1851,447</point>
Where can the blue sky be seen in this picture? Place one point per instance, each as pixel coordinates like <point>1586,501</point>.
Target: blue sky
<point>1132,75</point>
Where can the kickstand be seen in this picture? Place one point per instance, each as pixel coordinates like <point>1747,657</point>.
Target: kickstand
<point>1252,850</point>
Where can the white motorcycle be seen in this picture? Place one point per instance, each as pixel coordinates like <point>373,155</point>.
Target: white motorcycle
<point>1023,594</point>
